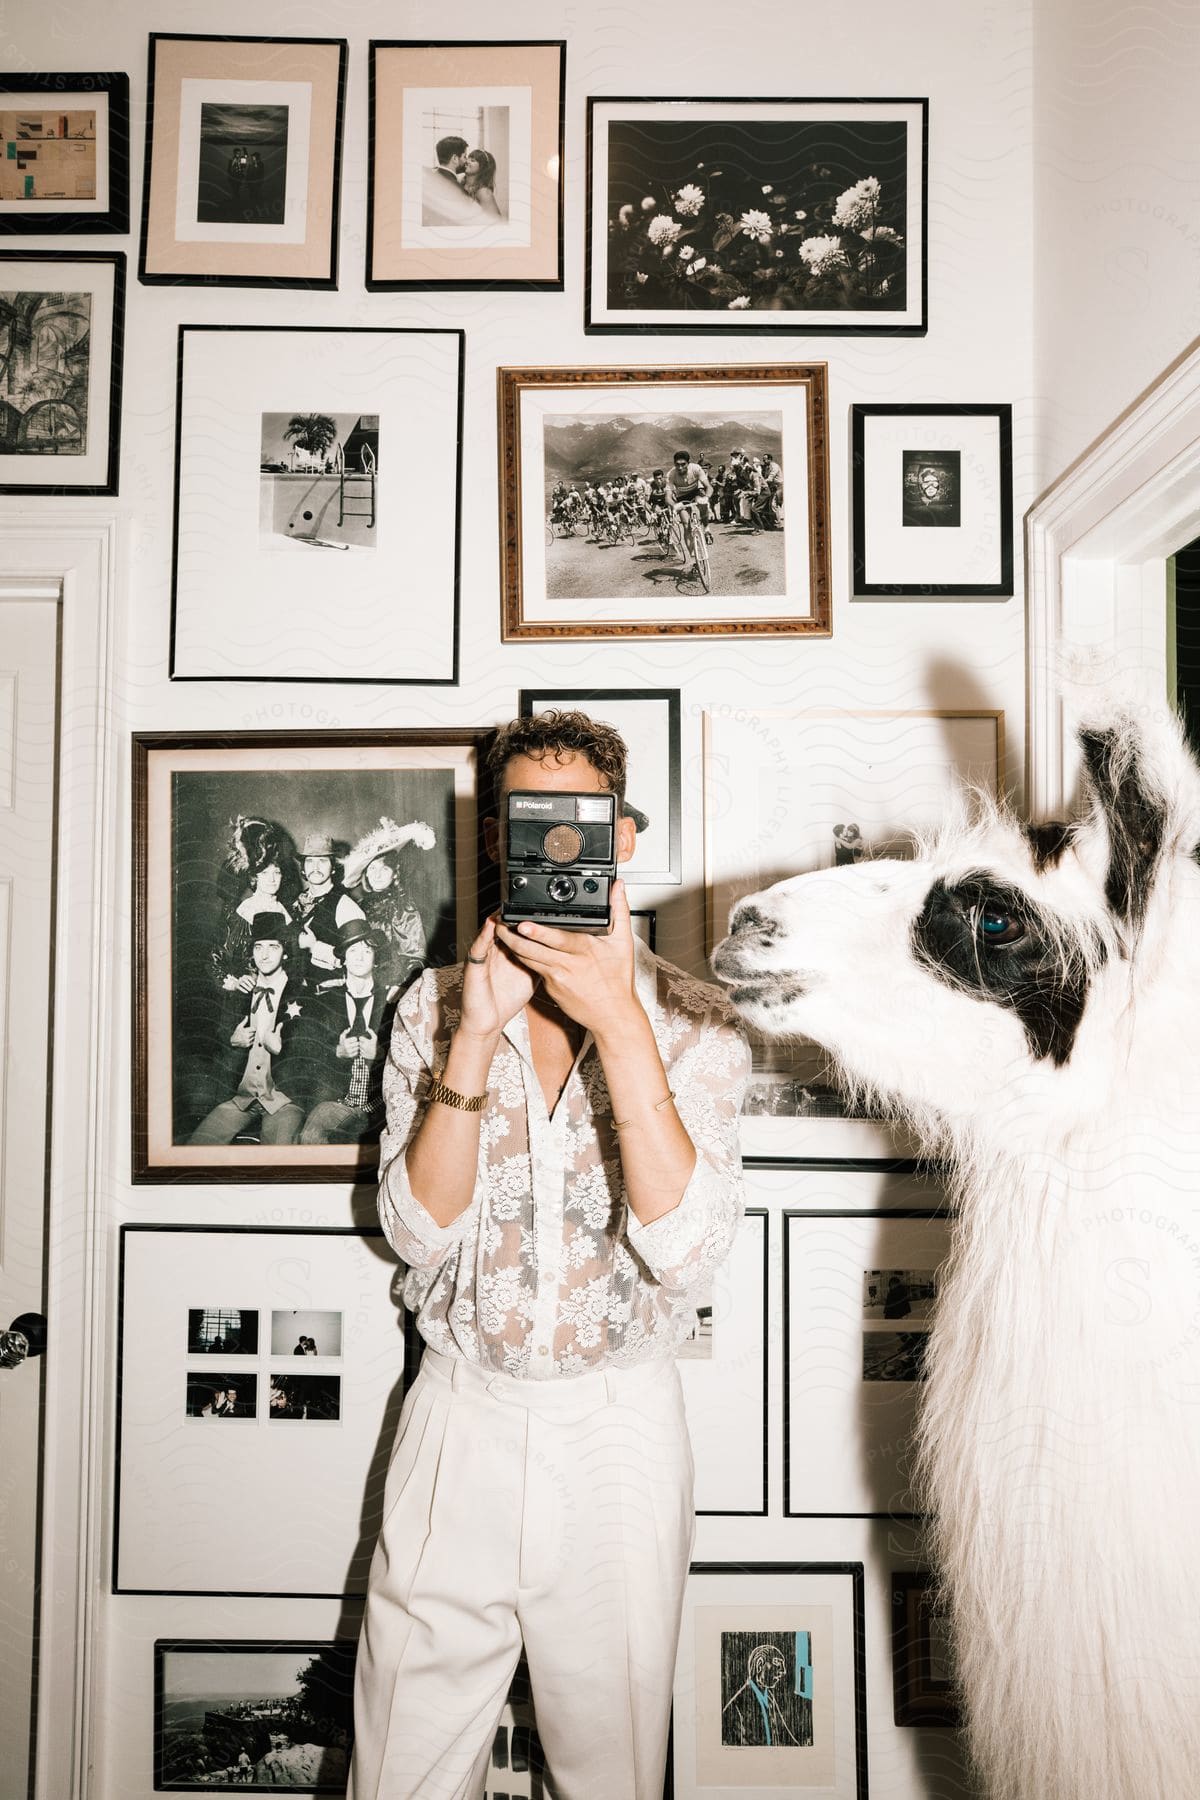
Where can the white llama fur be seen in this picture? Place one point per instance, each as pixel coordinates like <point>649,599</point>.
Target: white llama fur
<point>1060,1434</point>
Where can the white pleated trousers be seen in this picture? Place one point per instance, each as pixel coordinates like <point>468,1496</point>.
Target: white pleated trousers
<point>557,1514</point>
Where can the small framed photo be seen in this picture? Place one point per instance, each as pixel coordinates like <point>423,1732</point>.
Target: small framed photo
<point>64,153</point>
<point>279,876</point>
<point>243,161</point>
<point>797,216</point>
<point>466,165</point>
<point>254,1714</point>
<point>317,477</point>
<point>723,1370</point>
<point>770,1690</point>
<point>62,332</point>
<point>858,1297</point>
<point>644,920</point>
<point>648,719</point>
<point>933,501</point>
<point>222,1331</point>
<point>925,1690</point>
<point>797,1119</point>
<point>297,1333</point>
<point>742,452</point>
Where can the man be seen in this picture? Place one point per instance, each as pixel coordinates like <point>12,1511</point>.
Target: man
<point>688,485</point>
<point>348,1024</point>
<point>442,199</point>
<point>262,1038</point>
<point>560,1173</point>
<point>321,908</point>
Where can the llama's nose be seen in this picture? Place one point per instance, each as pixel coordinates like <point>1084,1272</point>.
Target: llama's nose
<point>752,927</point>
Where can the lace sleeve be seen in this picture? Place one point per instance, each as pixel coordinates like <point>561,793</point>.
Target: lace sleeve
<point>411,1230</point>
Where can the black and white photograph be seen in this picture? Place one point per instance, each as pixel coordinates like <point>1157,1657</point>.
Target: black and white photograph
<point>767,1689</point>
<point>894,1355</point>
<point>792,1115</point>
<point>900,1294</point>
<point>697,1346</point>
<point>222,1331</point>
<point>318,480</point>
<point>243,164</point>
<point>925,1689</point>
<point>61,319</point>
<point>784,215</point>
<point>653,502</point>
<point>466,163</point>
<point>932,501</point>
<point>722,1360</point>
<point>297,1398</point>
<point>311,1333</point>
<point>254,1716</point>
<point>298,893</point>
<point>217,1394</point>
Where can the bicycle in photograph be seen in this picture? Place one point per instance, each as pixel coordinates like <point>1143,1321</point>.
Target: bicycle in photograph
<point>692,541</point>
<point>563,524</point>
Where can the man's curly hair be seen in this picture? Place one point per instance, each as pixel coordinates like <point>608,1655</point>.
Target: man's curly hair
<point>550,735</point>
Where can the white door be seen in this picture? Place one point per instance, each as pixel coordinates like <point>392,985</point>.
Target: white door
<point>28,736</point>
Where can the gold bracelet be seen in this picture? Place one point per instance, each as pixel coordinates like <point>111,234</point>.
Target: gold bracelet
<point>620,1124</point>
<point>472,1103</point>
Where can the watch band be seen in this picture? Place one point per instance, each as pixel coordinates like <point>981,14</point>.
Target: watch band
<point>472,1103</point>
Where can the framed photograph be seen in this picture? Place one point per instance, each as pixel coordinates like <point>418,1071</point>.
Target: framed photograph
<point>466,165</point>
<point>259,857</point>
<point>62,332</point>
<point>796,216</point>
<point>933,501</point>
<point>64,159</point>
<point>255,1714</point>
<point>648,720</point>
<point>770,1689</point>
<point>791,1119</point>
<point>858,1293</point>
<point>286,1498</point>
<point>723,1369</point>
<point>753,450</point>
<point>846,1188</point>
<point>925,1692</point>
<point>645,924</point>
<point>243,161</point>
<point>317,478</point>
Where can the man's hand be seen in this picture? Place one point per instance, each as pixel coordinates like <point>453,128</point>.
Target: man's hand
<point>242,1035</point>
<point>347,1047</point>
<point>590,976</point>
<point>494,989</point>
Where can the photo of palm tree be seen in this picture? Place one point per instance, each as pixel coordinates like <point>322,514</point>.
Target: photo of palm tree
<point>318,475</point>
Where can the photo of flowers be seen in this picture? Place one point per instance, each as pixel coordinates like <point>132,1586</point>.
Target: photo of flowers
<point>756,215</point>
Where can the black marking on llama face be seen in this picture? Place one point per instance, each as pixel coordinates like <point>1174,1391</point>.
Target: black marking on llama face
<point>1027,974</point>
<point>1136,820</point>
<point>1048,842</point>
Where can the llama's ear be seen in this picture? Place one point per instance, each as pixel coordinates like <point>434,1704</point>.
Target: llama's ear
<point>1134,810</point>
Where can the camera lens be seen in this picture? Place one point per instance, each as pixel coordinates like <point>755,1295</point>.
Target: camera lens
<point>561,888</point>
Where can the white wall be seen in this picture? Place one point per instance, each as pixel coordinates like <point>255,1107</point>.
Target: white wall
<point>973,58</point>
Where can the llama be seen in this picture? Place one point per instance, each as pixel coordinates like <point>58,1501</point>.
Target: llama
<point>1027,998</point>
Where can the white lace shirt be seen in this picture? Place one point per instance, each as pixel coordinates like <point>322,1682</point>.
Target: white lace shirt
<point>547,1273</point>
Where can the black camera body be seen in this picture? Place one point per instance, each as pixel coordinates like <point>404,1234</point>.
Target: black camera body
<point>559,859</point>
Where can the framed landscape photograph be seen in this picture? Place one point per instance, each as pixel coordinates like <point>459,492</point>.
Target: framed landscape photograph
<point>317,476</point>
<point>270,869</point>
<point>770,1690</point>
<point>254,1714</point>
<point>62,328</point>
<point>64,153</point>
<point>243,161</point>
<point>753,455</point>
<point>795,216</point>
<point>466,165</point>
<point>933,502</point>
<point>648,720</point>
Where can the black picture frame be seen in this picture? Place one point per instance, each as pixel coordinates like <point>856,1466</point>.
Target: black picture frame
<point>338,1656</point>
<point>669,871</point>
<point>72,92</point>
<point>986,493</point>
<point>157,239</point>
<point>920,1696</point>
<point>649,934</point>
<point>721,302</point>
<point>499,269</point>
<point>103,390</point>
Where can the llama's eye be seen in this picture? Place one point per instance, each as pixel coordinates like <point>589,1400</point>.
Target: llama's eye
<point>996,926</point>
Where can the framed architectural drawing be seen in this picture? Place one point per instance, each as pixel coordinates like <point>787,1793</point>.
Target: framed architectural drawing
<point>466,169</point>
<point>933,503</point>
<point>317,478</point>
<point>796,216</point>
<point>755,573</point>
<point>64,153</point>
<point>243,161</point>
<point>62,329</point>
<point>723,1368</point>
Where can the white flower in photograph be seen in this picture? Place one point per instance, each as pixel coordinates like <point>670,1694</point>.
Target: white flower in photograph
<point>858,206</point>
<point>663,229</point>
<point>687,253</point>
<point>800,215</point>
<point>649,203</point>
<point>701,262</point>
<point>626,212</point>
<point>823,254</point>
<point>881,234</point>
<point>641,279</point>
<point>779,253</point>
<point>689,200</point>
<point>737,305</point>
<point>757,225</point>
<point>768,187</point>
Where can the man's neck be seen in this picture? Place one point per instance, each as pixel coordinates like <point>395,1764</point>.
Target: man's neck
<point>360,985</point>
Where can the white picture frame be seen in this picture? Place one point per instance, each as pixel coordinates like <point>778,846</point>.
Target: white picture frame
<point>724,1378</point>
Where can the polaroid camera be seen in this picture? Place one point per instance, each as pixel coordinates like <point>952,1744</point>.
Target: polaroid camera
<point>559,859</point>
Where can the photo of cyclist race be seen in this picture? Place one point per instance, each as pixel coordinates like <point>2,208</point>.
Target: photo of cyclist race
<point>690,501</point>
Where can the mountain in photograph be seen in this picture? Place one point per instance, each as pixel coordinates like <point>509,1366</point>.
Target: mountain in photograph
<point>589,449</point>
<point>250,125</point>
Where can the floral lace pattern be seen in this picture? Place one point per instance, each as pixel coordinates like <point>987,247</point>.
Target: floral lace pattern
<point>546,1272</point>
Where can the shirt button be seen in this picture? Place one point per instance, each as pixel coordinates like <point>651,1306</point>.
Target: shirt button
<point>543,1349</point>
<point>548,1275</point>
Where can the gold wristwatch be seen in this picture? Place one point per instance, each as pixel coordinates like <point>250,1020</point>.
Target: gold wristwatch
<point>472,1103</point>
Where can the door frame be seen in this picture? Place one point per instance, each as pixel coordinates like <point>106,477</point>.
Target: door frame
<point>78,551</point>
